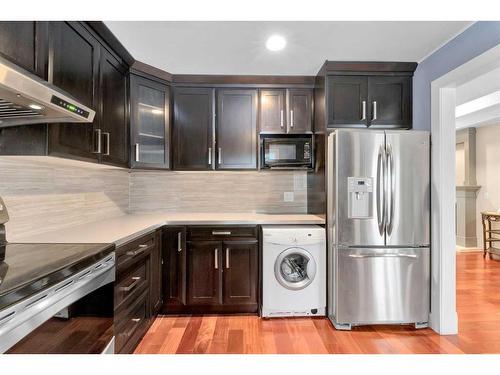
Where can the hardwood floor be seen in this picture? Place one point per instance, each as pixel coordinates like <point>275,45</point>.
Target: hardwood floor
<point>478,305</point>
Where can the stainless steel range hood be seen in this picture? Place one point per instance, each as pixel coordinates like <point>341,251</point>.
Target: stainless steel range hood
<point>27,99</point>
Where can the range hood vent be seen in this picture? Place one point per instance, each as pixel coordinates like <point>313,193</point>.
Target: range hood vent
<point>27,99</point>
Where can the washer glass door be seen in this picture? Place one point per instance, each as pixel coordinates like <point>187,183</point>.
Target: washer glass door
<point>295,268</point>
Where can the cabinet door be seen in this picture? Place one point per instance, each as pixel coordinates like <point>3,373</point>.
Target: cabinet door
<point>272,111</point>
<point>174,266</point>
<point>390,102</point>
<point>155,289</point>
<point>204,273</point>
<point>150,123</point>
<point>192,128</point>
<point>113,110</point>
<point>24,43</point>
<point>73,66</point>
<point>346,99</point>
<point>240,272</point>
<point>299,110</point>
<point>237,129</point>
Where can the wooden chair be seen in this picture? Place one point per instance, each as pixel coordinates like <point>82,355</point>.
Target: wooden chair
<point>490,236</point>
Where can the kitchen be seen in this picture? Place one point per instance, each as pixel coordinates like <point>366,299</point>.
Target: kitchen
<point>137,200</point>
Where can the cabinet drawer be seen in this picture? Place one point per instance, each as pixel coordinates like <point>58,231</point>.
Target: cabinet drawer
<point>131,325</point>
<point>129,283</point>
<point>129,254</point>
<point>220,232</point>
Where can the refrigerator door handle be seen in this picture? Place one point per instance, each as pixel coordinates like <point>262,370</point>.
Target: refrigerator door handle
<point>391,180</point>
<point>381,194</point>
<point>412,256</point>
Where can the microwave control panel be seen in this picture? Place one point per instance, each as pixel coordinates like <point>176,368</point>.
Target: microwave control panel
<point>307,151</point>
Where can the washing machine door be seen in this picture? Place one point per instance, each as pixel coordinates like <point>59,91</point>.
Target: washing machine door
<point>295,268</point>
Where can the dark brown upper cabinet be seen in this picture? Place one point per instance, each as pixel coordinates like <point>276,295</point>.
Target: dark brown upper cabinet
<point>149,123</point>
<point>364,94</point>
<point>113,110</point>
<point>174,266</point>
<point>286,111</point>
<point>25,44</point>
<point>192,139</point>
<point>272,111</point>
<point>347,101</point>
<point>240,272</point>
<point>74,56</point>
<point>390,101</point>
<point>236,139</point>
<point>204,273</point>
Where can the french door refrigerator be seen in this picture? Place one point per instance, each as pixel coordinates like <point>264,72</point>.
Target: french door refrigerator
<point>378,227</point>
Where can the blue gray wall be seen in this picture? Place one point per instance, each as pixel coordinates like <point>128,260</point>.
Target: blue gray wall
<point>475,40</point>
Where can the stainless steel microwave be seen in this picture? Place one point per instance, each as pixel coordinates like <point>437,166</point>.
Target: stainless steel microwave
<point>287,152</point>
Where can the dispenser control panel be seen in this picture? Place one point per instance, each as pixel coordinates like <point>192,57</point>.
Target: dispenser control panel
<point>360,190</point>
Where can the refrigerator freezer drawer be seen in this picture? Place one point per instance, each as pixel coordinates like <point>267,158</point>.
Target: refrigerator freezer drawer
<point>383,285</point>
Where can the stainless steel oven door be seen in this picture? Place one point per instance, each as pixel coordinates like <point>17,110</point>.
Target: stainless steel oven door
<point>74,316</point>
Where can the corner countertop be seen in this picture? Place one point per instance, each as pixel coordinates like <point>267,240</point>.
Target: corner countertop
<point>125,228</point>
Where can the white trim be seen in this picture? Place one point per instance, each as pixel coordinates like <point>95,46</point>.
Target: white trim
<point>446,41</point>
<point>443,318</point>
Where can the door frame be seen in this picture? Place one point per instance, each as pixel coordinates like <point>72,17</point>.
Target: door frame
<point>443,318</point>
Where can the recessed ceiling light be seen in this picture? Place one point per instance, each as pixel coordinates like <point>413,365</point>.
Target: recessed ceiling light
<point>275,43</point>
<point>35,106</point>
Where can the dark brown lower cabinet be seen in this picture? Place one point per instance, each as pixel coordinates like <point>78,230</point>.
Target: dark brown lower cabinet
<point>204,273</point>
<point>215,271</point>
<point>240,273</point>
<point>174,267</point>
<point>155,291</point>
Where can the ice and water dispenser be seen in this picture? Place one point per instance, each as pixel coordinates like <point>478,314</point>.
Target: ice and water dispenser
<point>360,191</point>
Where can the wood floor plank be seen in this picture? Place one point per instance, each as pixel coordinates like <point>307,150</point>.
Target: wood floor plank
<point>478,308</point>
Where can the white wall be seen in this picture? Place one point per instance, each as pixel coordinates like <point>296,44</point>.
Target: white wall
<point>487,172</point>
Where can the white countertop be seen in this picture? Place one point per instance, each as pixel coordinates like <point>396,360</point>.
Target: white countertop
<point>124,228</point>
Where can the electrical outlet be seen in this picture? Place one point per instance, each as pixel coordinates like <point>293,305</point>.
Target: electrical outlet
<point>288,196</point>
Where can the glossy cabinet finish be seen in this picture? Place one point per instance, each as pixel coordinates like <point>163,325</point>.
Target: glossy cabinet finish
<point>174,269</point>
<point>240,262</point>
<point>193,129</point>
<point>204,273</point>
<point>74,56</point>
<point>150,123</point>
<point>155,291</point>
<point>236,129</point>
<point>272,111</point>
<point>113,110</point>
<point>390,101</point>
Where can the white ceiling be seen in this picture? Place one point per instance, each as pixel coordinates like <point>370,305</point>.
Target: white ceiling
<point>239,47</point>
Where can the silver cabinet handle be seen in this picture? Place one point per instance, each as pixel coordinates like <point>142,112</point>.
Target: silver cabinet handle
<point>140,250</point>
<point>137,152</point>
<point>291,118</point>
<point>135,281</point>
<point>216,259</point>
<point>413,256</point>
<point>374,111</point>
<point>98,149</point>
<point>107,135</point>
<point>363,116</point>
<point>227,257</point>
<point>220,155</point>
<point>210,156</point>
<point>179,242</point>
<point>136,320</point>
<point>220,233</point>
<point>281,119</point>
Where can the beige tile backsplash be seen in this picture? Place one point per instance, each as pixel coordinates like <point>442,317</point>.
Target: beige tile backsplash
<point>45,193</point>
<point>220,191</point>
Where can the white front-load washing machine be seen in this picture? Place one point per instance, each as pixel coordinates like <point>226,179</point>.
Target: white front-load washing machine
<point>293,270</point>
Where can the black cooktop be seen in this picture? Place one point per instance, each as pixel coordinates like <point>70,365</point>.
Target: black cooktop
<point>30,268</point>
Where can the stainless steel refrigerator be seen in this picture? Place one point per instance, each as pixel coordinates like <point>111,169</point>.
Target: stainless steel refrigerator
<point>378,227</point>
